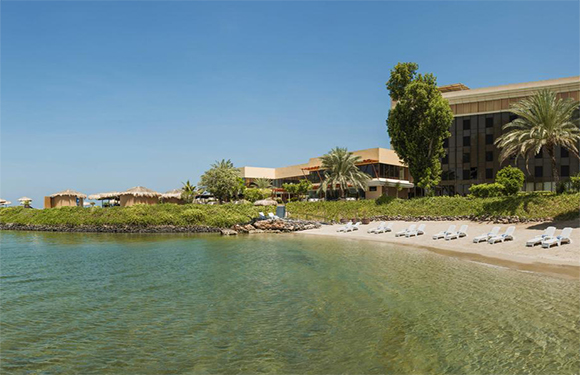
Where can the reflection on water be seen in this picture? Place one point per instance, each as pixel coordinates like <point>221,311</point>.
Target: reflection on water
<point>166,304</point>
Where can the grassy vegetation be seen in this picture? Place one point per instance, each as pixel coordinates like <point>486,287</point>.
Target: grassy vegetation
<point>139,215</point>
<point>528,206</point>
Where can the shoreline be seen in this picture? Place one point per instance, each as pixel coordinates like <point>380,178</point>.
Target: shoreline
<point>563,261</point>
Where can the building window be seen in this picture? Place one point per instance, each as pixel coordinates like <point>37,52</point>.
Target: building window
<point>489,122</point>
<point>466,124</point>
<point>489,173</point>
<point>565,171</point>
<point>446,142</point>
<point>466,157</point>
<point>489,139</point>
<point>540,154</point>
<point>445,159</point>
<point>466,141</point>
<point>466,174</point>
<point>489,156</point>
<point>564,153</point>
<point>539,171</point>
<point>473,173</point>
<point>372,188</point>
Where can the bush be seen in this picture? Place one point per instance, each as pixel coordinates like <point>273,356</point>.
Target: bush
<point>255,194</point>
<point>511,178</point>
<point>384,199</point>
<point>486,190</point>
<point>575,183</point>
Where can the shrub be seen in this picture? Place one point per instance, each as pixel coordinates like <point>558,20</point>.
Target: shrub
<point>486,190</point>
<point>193,215</point>
<point>255,194</point>
<point>511,178</point>
<point>384,199</point>
<point>562,187</point>
<point>575,182</point>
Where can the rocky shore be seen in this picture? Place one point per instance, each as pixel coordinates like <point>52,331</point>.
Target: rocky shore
<point>275,226</point>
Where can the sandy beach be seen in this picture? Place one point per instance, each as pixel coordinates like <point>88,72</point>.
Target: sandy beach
<point>562,261</point>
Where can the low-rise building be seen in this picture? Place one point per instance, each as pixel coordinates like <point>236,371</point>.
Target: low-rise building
<point>389,176</point>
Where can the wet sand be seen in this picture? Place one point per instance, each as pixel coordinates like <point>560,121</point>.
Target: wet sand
<point>561,261</point>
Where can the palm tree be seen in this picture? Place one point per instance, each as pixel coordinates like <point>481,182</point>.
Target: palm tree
<point>543,122</point>
<point>262,183</point>
<point>188,191</point>
<point>340,170</point>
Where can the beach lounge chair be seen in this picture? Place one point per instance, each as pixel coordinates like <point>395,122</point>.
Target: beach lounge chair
<point>262,216</point>
<point>564,237</point>
<point>507,236</point>
<point>404,232</point>
<point>386,228</point>
<point>486,236</point>
<point>380,227</point>
<point>462,232</point>
<point>353,227</point>
<point>449,230</point>
<point>548,233</point>
<point>417,232</point>
<point>272,216</point>
<point>344,228</point>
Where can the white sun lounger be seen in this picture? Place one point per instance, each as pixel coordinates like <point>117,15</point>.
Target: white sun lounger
<point>507,236</point>
<point>380,227</point>
<point>449,230</point>
<point>487,236</point>
<point>462,232</point>
<point>404,232</point>
<point>272,216</point>
<point>345,227</point>
<point>386,228</point>
<point>419,231</point>
<point>564,237</point>
<point>548,233</point>
<point>354,227</point>
<point>262,216</point>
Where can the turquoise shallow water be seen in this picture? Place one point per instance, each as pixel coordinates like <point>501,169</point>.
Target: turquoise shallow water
<point>176,304</point>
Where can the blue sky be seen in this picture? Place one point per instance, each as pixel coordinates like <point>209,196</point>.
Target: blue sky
<point>100,96</point>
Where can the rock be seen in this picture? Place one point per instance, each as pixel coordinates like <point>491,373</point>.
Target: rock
<point>229,232</point>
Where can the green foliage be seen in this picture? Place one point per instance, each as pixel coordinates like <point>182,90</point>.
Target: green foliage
<point>189,191</point>
<point>384,199</point>
<point>419,123</point>
<point>511,178</point>
<point>530,206</point>
<point>543,121</point>
<point>262,183</point>
<point>340,170</point>
<point>224,215</point>
<point>255,194</point>
<point>487,190</point>
<point>575,183</point>
<point>298,190</point>
<point>223,181</point>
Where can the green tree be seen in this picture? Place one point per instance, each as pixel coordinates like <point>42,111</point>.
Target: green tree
<point>222,180</point>
<point>512,179</point>
<point>543,121</point>
<point>419,123</point>
<point>299,190</point>
<point>340,171</point>
<point>189,191</point>
<point>262,183</point>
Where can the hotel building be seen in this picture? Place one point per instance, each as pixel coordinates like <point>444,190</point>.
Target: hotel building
<point>381,164</point>
<point>479,115</point>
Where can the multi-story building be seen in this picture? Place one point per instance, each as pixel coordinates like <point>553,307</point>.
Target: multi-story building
<point>479,115</point>
<point>388,174</point>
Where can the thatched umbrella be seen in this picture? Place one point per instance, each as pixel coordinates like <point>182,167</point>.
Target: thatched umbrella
<point>265,202</point>
<point>101,196</point>
<point>140,191</point>
<point>175,193</point>
<point>68,192</point>
<point>24,199</point>
<point>4,202</point>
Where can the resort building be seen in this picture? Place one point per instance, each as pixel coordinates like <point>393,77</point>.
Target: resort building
<point>65,198</point>
<point>479,115</point>
<point>388,174</point>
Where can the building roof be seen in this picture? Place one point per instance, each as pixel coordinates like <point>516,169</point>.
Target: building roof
<point>68,192</point>
<point>453,87</point>
<point>108,195</point>
<point>140,191</point>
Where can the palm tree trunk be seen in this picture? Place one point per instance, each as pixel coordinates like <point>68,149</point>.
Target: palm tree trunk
<point>555,174</point>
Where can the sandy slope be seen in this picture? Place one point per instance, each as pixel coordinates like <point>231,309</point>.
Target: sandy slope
<point>563,260</point>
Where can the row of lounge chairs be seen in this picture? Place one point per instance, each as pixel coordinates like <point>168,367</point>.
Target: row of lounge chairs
<point>547,239</point>
<point>270,216</point>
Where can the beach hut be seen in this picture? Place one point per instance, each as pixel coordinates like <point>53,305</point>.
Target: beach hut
<point>65,198</point>
<point>173,196</point>
<point>138,195</point>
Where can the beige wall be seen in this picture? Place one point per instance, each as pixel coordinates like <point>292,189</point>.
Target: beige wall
<point>257,172</point>
<point>173,200</point>
<point>130,200</point>
<point>65,201</point>
<point>374,194</point>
